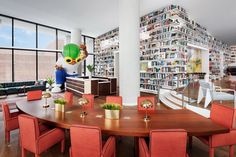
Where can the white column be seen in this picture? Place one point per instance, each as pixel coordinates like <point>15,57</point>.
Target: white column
<point>76,39</point>
<point>129,51</point>
<point>205,63</point>
<point>76,36</point>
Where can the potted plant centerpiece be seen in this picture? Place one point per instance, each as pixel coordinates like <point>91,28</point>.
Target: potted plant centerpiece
<point>91,69</point>
<point>112,110</point>
<point>50,81</point>
<point>60,104</point>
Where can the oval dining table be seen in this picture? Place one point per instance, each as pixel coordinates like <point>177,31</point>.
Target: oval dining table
<point>131,121</point>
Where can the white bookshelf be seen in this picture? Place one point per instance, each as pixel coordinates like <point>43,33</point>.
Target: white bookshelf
<point>105,47</point>
<point>233,54</point>
<point>165,36</point>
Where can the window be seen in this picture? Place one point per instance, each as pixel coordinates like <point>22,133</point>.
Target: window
<point>46,64</point>
<point>25,65</point>
<point>89,45</point>
<point>5,32</point>
<point>34,48</point>
<point>5,65</point>
<point>24,34</point>
<point>63,38</point>
<point>46,38</point>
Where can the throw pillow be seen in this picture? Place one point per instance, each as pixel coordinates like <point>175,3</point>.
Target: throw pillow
<point>36,83</point>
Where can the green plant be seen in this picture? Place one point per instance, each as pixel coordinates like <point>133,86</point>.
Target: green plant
<point>60,101</point>
<point>50,80</point>
<point>198,61</point>
<point>91,68</point>
<point>111,106</point>
<point>1,86</point>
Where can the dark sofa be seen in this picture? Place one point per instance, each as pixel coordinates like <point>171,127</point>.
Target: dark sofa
<point>17,87</point>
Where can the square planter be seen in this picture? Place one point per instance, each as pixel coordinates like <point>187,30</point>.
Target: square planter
<point>112,114</point>
<point>59,107</point>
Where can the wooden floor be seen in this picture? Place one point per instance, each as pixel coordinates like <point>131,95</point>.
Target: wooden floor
<point>125,146</point>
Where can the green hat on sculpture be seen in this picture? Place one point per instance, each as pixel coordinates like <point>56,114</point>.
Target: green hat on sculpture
<point>71,50</point>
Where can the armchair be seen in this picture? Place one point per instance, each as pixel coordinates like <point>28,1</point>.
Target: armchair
<point>163,143</point>
<point>87,141</point>
<point>225,116</point>
<point>114,99</point>
<point>210,92</point>
<point>10,121</point>
<point>38,140</point>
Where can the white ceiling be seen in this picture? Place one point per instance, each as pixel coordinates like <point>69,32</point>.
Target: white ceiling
<point>96,17</point>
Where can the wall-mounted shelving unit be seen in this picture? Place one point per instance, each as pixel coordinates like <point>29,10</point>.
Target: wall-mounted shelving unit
<point>165,38</point>
<point>214,64</point>
<point>105,47</point>
<point>233,54</point>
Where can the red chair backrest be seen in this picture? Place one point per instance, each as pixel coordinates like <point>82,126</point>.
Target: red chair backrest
<point>114,99</point>
<point>223,115</point>
<point>34,95</point>
<point>85,141</point>
<point>90,98</point>
<point>6,111</point>
<point>142,98</point>
<point>171,143</point>
<point>29,131</point>
<point>69,98</point>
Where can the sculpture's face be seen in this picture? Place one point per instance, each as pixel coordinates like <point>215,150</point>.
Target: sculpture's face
<point>72,61</point>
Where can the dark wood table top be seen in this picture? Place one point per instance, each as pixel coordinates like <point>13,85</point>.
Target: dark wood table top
<point>130,123</point>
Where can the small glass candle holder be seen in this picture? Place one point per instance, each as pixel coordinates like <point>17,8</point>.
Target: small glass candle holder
<point>146,104</point>
<point>82,102</point>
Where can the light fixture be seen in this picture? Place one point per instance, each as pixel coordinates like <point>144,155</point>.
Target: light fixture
<point>46,95</point>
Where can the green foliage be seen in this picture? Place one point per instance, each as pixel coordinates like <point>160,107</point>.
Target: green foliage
<point>91,68</point>
<point>60,101</point>
<point>50,80</point>
<point>198,61</point>
<point>1,86</point>
<point>111,106</point>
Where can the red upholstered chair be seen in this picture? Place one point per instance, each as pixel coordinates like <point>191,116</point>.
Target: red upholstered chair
<point>34,95</point>
<point>69,98</point>
<point>86,141</point>
<point>114,99</point>
<point>10,121</point>
<point>142,98</point>
<point>164,143</point>
<point>90,98</point>
<point>36,141</point>
<point>224,116</point>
